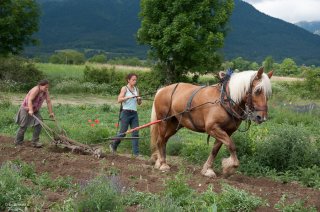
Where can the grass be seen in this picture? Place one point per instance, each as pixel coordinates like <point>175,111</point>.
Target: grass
<point>61,71</point>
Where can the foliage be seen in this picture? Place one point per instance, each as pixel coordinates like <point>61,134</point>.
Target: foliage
<point>67,57</point>
<point>232,199</point>
<point>268,64</point>
<point>98,195</point>
<point>13,192</point>
<point>296,206</point>
<point>184,35</point>
<point>288,67</point>
<point>18,74</point>
<point>286,149</point>
<point>98,58</point>
<point>147,81</point>
<point>312,83</point>
<point>18,21</point>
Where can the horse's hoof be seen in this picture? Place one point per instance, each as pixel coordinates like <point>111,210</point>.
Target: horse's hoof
<point>228,172</point>
<point>209,173</point>
<point>164,167</point>
<point>157,165</point>
<point>229,163</point>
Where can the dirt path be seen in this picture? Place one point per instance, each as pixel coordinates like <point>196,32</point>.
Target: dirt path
<point>135,173</point>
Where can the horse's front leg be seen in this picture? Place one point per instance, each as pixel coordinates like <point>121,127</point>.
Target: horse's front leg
<point>229,165</point>
<point>207,167</point>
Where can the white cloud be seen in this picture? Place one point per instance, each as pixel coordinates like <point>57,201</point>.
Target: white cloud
<point>289,10</point>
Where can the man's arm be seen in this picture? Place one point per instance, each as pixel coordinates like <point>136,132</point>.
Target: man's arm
<point>48,100</point>
<point>33,93</point>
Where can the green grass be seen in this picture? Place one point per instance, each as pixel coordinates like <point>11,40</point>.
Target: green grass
<point>61,71</point>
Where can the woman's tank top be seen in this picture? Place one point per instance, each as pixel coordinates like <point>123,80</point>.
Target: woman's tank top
<point>130,104</point>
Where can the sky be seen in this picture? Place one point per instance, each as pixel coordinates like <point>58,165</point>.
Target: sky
<point>289,10</point>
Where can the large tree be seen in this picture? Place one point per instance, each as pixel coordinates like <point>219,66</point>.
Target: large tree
<point>18,21</point>
<point>184,35</point>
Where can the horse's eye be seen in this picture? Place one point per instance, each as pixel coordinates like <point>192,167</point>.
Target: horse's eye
<point>257,92</point>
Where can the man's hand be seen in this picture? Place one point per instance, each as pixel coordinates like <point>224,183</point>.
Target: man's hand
<point>30,112</point>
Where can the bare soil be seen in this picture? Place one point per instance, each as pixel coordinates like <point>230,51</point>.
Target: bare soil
<point>135,173</point>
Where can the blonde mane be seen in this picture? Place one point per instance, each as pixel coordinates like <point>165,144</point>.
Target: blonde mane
<point>240,83</point>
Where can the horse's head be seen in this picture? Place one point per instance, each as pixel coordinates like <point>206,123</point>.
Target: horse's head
<point>257,96</point>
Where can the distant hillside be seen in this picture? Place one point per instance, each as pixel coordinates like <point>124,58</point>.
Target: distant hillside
<point>255,35</point>
<point>111,26</point>
<point>312,26</point>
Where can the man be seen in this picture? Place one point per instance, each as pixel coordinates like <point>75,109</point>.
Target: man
<point>29,108</point>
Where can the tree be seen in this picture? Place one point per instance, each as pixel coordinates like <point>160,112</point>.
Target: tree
<point>268,63</point>
<point>288,67</point>
<point>67,57</point>
<point>184,35</point>
<point>18,21</point>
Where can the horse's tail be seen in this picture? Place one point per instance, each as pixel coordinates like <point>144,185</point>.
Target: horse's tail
<point>154,134</point>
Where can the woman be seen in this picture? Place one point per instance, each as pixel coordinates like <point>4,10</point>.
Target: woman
<point>29,108</point>
<point>129,98</point>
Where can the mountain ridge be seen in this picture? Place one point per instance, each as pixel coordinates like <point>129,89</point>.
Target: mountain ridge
<point>111,26</point>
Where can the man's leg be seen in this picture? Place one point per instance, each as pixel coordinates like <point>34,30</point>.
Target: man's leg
<point>20,135</point>
<point>36,135</point>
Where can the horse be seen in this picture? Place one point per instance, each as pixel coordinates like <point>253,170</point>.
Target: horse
<point>217,110</point>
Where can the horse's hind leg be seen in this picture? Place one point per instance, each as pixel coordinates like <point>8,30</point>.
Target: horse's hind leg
<point>207,167</point>
<point>166,130</point>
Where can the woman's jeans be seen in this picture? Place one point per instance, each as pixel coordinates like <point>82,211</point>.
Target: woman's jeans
<point>128,117</point>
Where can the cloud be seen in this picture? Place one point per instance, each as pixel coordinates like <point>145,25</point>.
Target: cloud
<point>289,10</point>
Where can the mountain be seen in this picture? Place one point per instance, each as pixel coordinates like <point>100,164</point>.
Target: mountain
<point>311,26</point>
<point>254,35</point>
<point>111,26</point>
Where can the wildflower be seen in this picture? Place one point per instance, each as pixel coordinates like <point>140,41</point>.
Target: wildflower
<point>116,125</point>
<point>92,125</point>
<point>89,120</point>
<point>97,121</point>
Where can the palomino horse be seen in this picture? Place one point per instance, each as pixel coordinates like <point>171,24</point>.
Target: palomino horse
<point>217,110</point>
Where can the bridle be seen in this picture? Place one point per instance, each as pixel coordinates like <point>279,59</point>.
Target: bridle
<point>228,104</point>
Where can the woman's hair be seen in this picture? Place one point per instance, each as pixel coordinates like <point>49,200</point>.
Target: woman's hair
<point>129,76</point>
<point>43,82</point>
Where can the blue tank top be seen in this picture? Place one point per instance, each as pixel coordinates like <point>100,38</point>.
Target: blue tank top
<point>130,104</point>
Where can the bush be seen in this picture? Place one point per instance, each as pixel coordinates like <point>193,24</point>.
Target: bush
<point>286,149</point>
<point>196,153</point>
<point>98,195</point>
<point>67,57</point>
<point>232,199</point>
<point>13,193</point>
<point>18,74</point>
<point>147,81</point>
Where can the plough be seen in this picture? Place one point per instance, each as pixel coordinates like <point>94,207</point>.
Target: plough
<point>60,138</point>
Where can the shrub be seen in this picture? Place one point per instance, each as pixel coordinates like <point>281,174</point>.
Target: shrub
<point>18,74</point>
<point>98,195</point>
<point>287,148</point>
<point>196,153</point>
<point>296,206</point>
<point>232,199</point>
<point>13,193</point>
<point>67,57</point>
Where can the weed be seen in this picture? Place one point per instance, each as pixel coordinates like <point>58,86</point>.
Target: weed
<point>297,206</point>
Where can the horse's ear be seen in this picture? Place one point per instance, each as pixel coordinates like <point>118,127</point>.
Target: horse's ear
<point>221,75</point>
<point>260,72</point>
<point>270,74</point>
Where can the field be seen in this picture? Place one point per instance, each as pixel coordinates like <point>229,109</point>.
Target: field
<point>279,160</point>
